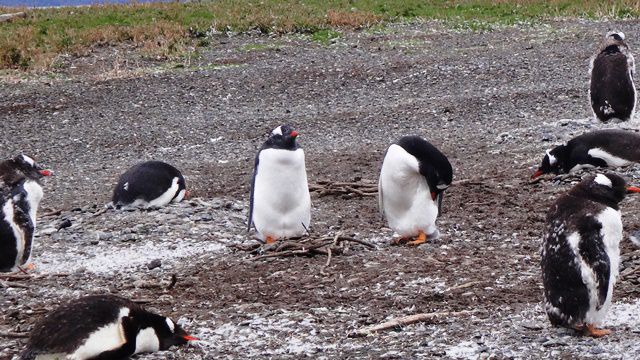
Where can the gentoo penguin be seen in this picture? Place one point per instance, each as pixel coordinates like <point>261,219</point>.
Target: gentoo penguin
<point>149,184</point>
<point>580,252</point>
<point>612,92</point>
<point>280,204</point>
<point>412,182</point>
<point>20,195</point>
<point>101,327</point>
<point>601,148</point>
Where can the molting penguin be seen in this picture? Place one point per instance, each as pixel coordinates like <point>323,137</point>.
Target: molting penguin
<point>612,92</point>
<point>580,253</point>
<point>280,204</point>
<point>149,184</point>
<point>20,195</point>
<point>601,148</point>
<point>412,182</point>
<point>101,327</point>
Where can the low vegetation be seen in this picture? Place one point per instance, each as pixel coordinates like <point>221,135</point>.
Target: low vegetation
<point>167,29</point>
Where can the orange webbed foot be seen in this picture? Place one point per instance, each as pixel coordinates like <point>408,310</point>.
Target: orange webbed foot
<point>592,331</point>
<point>421,239</point>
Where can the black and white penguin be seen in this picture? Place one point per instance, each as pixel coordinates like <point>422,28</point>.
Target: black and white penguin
<point>101,327</point>
<point>20,195</point>
<point>601,148</point>
<point>149,184</point>
<point>280,204</point>
<point>612,92</point>
<point>581,254</point>
<point>412,182</point>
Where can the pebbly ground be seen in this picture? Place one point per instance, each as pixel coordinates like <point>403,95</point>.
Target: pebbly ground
<point>492,101</point>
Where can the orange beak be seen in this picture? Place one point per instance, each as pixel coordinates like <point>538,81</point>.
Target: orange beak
<point>187,194</point>
<point>294,133</point>
<point>46,172</point>
<point>190,338</point>
<point>633,189</point>
<point>538,173</point>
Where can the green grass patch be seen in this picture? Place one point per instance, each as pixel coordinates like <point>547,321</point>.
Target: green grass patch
<point>167,29</point>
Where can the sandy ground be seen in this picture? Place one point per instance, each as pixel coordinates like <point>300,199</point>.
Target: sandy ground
<point>492,102</point>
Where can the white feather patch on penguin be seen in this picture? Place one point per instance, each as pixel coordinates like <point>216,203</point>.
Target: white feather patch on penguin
<point>34,196</point>
<point>552,159</point>
<point>603,180</point>
<point>8,212</point>
<point>281,200</point>
<point>147,341</point>
<point>581,166</point>
<point>611,232</point>
<point>180,196</point>
<point>405,195</point>
<point>588,276</point>
<point>108,337</point>
<point>161,200</point>
<point>28,160</point>
<point>611,160</point>
<point>277,131</point>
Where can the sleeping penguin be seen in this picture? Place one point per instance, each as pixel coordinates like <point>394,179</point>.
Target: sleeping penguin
<point>20,195</point>
<point>601,148</point>
<point>101,327</point>
<point>612,92</point>
<point>150,184</point>
<point>280,204</point>
<point>580,253</point>
<point>412,182</point>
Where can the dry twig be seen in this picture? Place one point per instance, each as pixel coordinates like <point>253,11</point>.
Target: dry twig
<point>406,320</point>
<point>326,187</point>
<point>12,334</point>
<point>328,245</point>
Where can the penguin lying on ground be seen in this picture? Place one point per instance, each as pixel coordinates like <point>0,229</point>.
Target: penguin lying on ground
<point>412,182</point>
<point>580,253</point>
<point>20,195</point>
<point>280,204</point>
<point>101,327</point>
<point>149,184</point>
<point>612,92</point>
<point>601,148</point>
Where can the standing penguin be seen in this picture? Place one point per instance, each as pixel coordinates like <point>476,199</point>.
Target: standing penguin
<point>20,195</point>
<point>600,148</point>
<point>101,327</point>
<point>581,254</point>
<point>612,92</point>
<point>280,204</point>
<point>412,182</point>
<point>149,184</point>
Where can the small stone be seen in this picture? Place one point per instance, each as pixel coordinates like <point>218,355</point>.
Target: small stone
<point>48,231</point>
<point>154,264</point>
<point>64,224</point>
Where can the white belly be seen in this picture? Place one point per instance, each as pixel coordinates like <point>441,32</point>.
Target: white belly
<point>281,200</point>
<point>108,337</point>
<point>406,198</point>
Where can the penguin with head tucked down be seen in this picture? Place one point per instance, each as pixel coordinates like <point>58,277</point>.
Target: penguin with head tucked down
<point>20,195</point>
<point>150,184</point>
<point>600,148</point>
<point>612,91</point>
<point>581,254</point>
<point>280,204</point>
<point>413,179</point>
<point>101,327</point>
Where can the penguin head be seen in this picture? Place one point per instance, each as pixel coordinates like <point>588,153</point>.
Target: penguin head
<point>615,36</point>
<point>168,332</point>
<point>608,189</point>
<point>282,137</point>
<point>554,161</point>
<point>613,42</point>
<point>22,166</point>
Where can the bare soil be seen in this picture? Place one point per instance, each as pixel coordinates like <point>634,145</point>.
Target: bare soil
<point>491,101</point>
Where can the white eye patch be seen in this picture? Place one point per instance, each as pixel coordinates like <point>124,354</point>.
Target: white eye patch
<point>28,160</point>
<point>171,325</point>
<point>277,131</point>
<point>603,180</point>
<point>552,159</point>
<point>442,186</point>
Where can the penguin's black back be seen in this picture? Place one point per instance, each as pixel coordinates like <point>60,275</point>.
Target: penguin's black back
<point>434,165</point>
<point>146,181</point>
<point>621,143</point>
<point>610,82</point>
<point>73,322</point>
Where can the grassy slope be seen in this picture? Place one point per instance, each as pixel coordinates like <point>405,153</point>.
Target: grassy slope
<point>166,29</point>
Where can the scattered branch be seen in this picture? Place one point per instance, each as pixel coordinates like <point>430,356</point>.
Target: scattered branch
<point>15,335</point>
<point>327,245</point>
<point>174,280</point>
<point>325,187</point>
<point>407,320</point>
